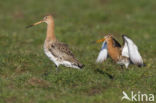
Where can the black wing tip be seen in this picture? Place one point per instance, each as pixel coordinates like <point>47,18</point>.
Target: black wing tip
<point>81,66</point>
<point>142,65</point>
<point>124,35</point>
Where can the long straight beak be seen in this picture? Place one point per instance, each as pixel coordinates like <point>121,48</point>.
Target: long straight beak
<point>101,40</point>
<point>34,24</point>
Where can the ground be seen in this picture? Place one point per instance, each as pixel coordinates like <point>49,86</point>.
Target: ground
<point>28,76</point>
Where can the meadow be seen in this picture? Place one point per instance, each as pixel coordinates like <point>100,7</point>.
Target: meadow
<point>79,23</point>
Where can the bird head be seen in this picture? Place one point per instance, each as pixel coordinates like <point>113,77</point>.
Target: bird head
<point>47,19</point>
<point>106,38</point>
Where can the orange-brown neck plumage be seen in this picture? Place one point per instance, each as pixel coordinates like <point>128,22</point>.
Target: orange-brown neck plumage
<point>113,51</point>
<point>50,31</point>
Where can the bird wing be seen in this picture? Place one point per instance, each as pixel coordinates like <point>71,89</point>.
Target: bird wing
<point>103,53</point>
<point>132,50</point>
<point>125,50</point>
<point>116,43</point>
<point>62,51</point>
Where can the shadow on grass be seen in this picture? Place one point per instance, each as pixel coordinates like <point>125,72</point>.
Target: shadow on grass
<point>105,73</point>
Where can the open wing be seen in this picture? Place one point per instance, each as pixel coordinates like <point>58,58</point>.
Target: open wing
<point>130,49</point>
<point>125,50</point>
<point>103,53</point>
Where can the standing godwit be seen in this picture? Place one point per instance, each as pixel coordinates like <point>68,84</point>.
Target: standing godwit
<point>57,52</point>
<point>124,55</point>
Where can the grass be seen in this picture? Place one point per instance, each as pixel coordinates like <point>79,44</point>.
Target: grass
<point>78,23</point>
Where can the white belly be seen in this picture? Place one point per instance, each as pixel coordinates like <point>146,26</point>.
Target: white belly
<point>51,57</point>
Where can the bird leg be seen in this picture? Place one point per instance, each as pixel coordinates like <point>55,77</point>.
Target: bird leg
<point>122,66</point>
<point>47,72</point>
<point>57,69</point>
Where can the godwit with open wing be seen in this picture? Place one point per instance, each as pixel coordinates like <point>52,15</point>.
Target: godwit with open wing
<point>124,55</point>
<point>57,52</point>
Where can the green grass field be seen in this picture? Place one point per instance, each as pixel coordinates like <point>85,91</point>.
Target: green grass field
<point>79,23</point>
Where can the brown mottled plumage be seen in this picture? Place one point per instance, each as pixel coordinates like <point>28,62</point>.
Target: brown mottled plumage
<point>62,52</point>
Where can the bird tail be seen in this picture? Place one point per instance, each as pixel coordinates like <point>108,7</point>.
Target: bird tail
<point>77,64</point>
<point>80,65</point>
<point>142,65</point>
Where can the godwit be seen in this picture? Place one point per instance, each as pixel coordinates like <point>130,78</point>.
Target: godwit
<point>124,55</point>
<point>57,52</point>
